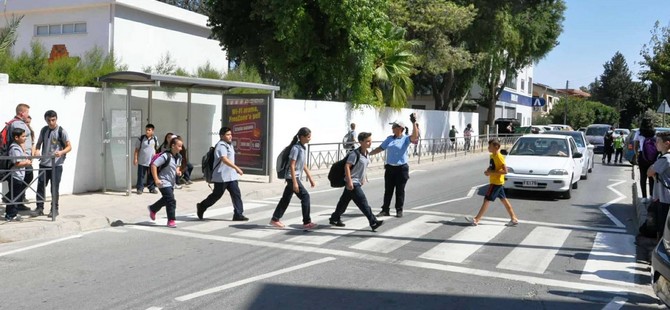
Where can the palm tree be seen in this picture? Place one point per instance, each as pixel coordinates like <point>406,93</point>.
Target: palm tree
<point>8,34</point>
<point>391,79</point>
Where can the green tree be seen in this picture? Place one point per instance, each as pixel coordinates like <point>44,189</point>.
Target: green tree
<point>582,113</point>
<point>656,63</point>
<point>191,5</point>
<point>8,34</point>
<point>615,83</point>
<point>392,81</point>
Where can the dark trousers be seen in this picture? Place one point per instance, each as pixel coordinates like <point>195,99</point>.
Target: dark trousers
<point>43,181</point>
<point>144,172</point>
<point>286,199</point>
<point>644,166</point>
<point>167,200</point>
<point>395,178</point>
<point>607,154</point>
<point>27,179</point>
<point>661,215</point>
<point>358,196</point>
<point>15,189</point>
<point>618,155</point>
<point>187,173</point>
<point>220,188</point>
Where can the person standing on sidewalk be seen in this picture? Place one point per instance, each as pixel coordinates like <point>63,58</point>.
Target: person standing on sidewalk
<point>53,141</point>
<point>354,178</point>
<point>618,148</point>
<point>646,155</point>
<point>496,173</point>
<point>452,136</point>
<point>225,176</point>
<point>296,165</point>
<point>349,139</point>
<point>660,171</point>
<point>165,170</point>
<point>19,121</point>
<point>467,135</point>
<point>145,149</point>
<point>16,184</point>
<point>396,168</point>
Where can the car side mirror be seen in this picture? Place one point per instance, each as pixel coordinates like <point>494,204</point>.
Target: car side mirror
<point>504,152</point>
<point>577,155</point>
<point>591,146</point>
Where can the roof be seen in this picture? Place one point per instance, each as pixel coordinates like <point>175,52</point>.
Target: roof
<point>133,77</point>
<point>574,92</point>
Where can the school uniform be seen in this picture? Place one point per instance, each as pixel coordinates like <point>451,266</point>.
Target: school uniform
<point>28,148</point>
<point>167,176</point>
<point>51,170</point>
<point>16,184</point>
<point>224,178</point>
<point>146,150</point>
<point>661,191</point>
<point>299,154</point>
<point>396,171</point>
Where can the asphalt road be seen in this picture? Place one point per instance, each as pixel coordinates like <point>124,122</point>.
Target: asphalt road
<point>576,253</point>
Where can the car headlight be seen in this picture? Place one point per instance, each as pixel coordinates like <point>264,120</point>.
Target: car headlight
<point>558,172</point>
<point>510,170</point>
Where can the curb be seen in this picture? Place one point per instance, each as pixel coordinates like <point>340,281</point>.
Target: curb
<point>39,230</point>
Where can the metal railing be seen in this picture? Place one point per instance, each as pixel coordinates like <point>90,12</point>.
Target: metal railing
<point>323,155</point>
<point>39,172</point>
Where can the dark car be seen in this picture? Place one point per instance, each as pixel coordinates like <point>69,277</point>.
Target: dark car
<point>595,134</point>
<point>660,268</point>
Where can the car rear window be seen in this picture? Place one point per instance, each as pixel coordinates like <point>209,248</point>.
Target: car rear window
<point>596,131</point>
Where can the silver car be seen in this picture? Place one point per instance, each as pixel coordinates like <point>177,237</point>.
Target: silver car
<point>583,146</point>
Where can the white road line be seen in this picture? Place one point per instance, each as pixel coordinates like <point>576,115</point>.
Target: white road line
<point>536,251</point>
<point>612,260</point>
<point>603,208</point>
<point>213,225</point>
<point>615,304</point>
<point>637,289</point>
<point>40,245</point>
<point>253,279</point>
<point>154,308</point>
<point>471,193</point>
<point>227,210</point>
<point>505,220</point>
<point>323,235</point>
<point>390,240</point>
<point>465,243</point>
<point>271,231</point>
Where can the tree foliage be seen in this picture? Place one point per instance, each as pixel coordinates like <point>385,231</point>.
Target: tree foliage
<point>582,113</point>
<point>191,5</point>
<point>615,83</point>
<point>656,63</point>
<point>8,33</point>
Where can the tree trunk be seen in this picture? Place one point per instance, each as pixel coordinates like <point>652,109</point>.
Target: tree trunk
<point>448,83</point>
<point>437,95</point>
<point>460,103</point>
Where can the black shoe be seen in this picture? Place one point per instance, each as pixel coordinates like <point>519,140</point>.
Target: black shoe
<point>139,192</point>
<point>37,212</point>
<point>153,191</point>
<point>337,223</point>
<point>384,213</point>
<point>240,218</point>
<point>15,218</point>
<point>376,225</point>
<point>22,208</point>
<point>52,214</point>
<point>398,213</point>
<point>200,211</point>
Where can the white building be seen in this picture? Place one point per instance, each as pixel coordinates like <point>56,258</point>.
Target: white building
<point>140,32</point>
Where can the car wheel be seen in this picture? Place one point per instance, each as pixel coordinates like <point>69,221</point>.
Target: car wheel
<point>568,194</point>
<point>585,176</point>
<point>575,185</point>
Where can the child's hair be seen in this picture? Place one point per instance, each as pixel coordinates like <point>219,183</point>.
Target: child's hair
<point>17,132</point>
<point>363,135</point>
<point>150,126</point>
<point>174,140</point>
<point>664,135</point>
<point>223,130</point>
<point>495,142</point>
<point>50,114</point>
<point>303,132</point>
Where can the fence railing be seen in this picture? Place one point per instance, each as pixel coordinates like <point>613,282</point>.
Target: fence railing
<point>323,155</point>
<point>38,173</point>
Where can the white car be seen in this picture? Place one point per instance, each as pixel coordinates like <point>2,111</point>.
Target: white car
<point>543,163</point>
<point>583,146</point>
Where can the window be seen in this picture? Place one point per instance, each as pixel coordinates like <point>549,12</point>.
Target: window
<point>511,82</point>
<point>58,29</point>
<point>523,84</point>
<point>530,85</point>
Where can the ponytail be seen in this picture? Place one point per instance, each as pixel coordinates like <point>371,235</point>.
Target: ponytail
<point>303,132</point>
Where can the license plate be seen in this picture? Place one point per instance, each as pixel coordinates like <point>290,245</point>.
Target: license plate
<point>530,183</point>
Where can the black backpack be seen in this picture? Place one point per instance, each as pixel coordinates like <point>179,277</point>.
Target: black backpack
<point>43,132</point>
<point>282,162</point>
<point>208,163</point>
<point>144,137</point>
<point>336,173</point>
<point>6,140</point>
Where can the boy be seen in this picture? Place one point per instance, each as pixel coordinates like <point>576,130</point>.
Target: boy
<point>354,178</point>
<point>618,148</point>
<point>496,173</point>
<point>145,149</point>
<point>54,141</point>
<point>18,174</point>
<point>165,170</point>
<point>661,173</point>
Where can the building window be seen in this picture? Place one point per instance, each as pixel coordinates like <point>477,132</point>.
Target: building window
<point>511,82</point>
<point>523,84</point>
<point>58,29</point>
<point>530,85</point>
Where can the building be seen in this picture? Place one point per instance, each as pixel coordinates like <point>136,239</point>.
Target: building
<point>574,93</point>
<point>550,95</point>
<point>140,32</point>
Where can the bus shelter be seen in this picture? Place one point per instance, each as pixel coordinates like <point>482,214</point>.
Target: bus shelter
<point>194,108</point>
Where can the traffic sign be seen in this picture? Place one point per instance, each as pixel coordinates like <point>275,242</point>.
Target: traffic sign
<point>540,102</point>
<point>663,108</point>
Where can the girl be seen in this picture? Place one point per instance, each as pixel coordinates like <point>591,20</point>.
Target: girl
<point>297,157</point>
<point>165,171</point>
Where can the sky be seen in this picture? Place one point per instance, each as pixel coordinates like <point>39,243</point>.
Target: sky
<point>593,31</point>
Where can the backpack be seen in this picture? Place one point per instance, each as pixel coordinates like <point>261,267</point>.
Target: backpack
<point>144,137</point>
<point>43,132</point>
<point>348,140</point>
<point>5,141</point>
<point>282,162</point>
<point>649,151</point>
<point>336,173</point>
<point>165,164</point>
<point>208,163</point>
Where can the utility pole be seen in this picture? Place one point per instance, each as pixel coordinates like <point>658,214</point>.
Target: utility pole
<point>565,110</point>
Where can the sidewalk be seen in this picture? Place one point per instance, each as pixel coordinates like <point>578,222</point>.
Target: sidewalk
<point>93,211</point>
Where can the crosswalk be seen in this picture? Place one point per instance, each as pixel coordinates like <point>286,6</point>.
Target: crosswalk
<point>607,256</point>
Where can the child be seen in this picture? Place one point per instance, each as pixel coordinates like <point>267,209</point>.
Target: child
<point>297,157</point>
<point>618,148</point>
<point>354,178</point>
<point>496,173</point>
<point>660,171</point>
<point>145,149</point>
<point>168,164</point>
<point>18,173</point>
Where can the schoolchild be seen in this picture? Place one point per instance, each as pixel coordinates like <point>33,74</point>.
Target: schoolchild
<point>354,178</point>
<point>20,121</point>
<point>17,185</point>
<point>660,171</point>
<point>145,149</point>
<point>645,155</point>
<point>225,176</point>
<point>168,163</point>
<point>496,173</point>
<point>618,148</point>
<point>296,166</point>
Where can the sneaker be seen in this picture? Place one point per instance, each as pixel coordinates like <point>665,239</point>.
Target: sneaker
<point>189,182</point>
<point>512,223</point>
<point>200,211</point>
<point>139,192</point>
<point>398,213</point>
<point>177,186</point>
<point>52,214</point>
<point>172,224</point>
<point>309,226</point>
<point>376,225</point>
<point>277,224</point>
<point>152,214</point>
<point>337,223</point>
<point>37,212</point>
<point>472,220</point>
<point>15,218</point>
<point>153,191</point>
<point>384,213</point>
<point>240,218</point>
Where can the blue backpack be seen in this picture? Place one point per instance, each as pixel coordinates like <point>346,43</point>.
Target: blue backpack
<point>649,151</point>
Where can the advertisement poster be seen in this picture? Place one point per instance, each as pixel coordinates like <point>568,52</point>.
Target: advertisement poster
<point>248,117</point>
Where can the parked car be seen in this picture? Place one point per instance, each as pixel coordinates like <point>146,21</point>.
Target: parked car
<point>595,134</point>
<point>583,146</point>
<point>583,129</point>
<point>622,131</point>
<point>660,268</point>
<point>535,164</point>
<point>560,127</point>
<point>530,129</point>
<point>629,151</point>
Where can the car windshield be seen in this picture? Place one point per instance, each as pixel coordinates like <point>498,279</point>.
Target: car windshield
<point>596,131</point>
<point>527,146</point>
